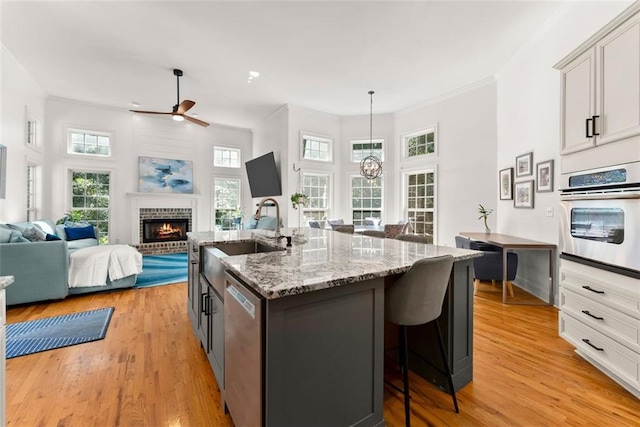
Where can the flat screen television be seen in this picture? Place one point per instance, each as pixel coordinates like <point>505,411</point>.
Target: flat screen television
<point>264,178</point>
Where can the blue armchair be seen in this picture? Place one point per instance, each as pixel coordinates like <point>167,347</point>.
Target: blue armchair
<point>489,266</point>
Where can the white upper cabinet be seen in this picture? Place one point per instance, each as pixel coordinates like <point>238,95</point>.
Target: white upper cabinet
<point>601,87</point>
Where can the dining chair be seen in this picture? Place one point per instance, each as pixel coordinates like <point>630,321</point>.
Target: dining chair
<point>489,266</point>
<point>373,233</point>
<point>417,238</point>
<point>392,230</point>
<point>416,298</point>
<point>314,224</point>
<point>335,222</point>
<point>371,221</point>
<point>348,228</point>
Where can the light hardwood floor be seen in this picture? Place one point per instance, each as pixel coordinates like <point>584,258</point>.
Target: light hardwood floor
<point>151,371</point>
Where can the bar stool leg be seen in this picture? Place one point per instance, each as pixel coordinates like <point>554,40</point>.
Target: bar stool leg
<point>404,346</point>
<point>446,365</point>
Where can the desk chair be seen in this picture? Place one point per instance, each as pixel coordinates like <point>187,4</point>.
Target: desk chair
<point>489,266</point>
<point>373,233</point>
<point>415,299</point>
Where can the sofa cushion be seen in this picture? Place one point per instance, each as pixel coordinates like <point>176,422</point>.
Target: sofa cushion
<point>76,233</point>
<point>74,245</point>
<point>50,237</point>
<point>34,234</point>
<point>251,223</point>
<point>46,225</point>
<point>5,234</point>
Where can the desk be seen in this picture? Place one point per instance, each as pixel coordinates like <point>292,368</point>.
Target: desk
<point>507,242</point>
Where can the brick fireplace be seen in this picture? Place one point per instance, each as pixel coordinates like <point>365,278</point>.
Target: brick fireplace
<point>163,230</point>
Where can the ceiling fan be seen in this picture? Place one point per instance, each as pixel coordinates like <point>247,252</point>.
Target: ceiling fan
<point>180,108</point>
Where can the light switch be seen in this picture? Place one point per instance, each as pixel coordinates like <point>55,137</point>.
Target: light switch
<point>550,211</point>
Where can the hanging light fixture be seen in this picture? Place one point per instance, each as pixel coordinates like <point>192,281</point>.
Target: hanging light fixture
<point>371,166</point>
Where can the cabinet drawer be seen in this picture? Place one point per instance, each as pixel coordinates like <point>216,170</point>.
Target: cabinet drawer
<point>612,323</point>
<point>614,290</point>
<point>621,361</point>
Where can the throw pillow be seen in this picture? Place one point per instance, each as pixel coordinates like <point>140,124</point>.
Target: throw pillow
<point>16,237</point>
<point>267,223</point>
<point>75,233</point>
<point>34,234</point>
<point>5,234</point>
<point>71,224</point>
<point>50,237</point>
<point>251,223</point>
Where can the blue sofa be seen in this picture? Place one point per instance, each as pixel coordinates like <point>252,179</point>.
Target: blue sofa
<point>41,267</point>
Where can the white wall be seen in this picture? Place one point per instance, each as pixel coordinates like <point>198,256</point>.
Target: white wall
<point>272,135</point>
<point>134,136</point>
<point>528,121</point>
<point>21,96</point>
<point>466,157</point>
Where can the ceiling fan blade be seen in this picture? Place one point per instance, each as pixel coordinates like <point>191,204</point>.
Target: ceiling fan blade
<point>196,121</point>
<point>185,106</point>
<point>148,112</point>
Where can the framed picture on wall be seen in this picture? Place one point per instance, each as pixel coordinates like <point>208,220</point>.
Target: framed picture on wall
<point>505,178</point>
<point>524,165</point>
<point>544,176</point>
<point>165,175</point>
<point>523,194</point>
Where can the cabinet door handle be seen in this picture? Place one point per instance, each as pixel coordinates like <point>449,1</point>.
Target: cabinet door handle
<point>194,262</point>
<point>589,288</point>
<point>207,304</point>
<point>203,298</point>
<point>591,315</point>
<point>587,127</point>
<point>593,126</point>
<point>589,343</point>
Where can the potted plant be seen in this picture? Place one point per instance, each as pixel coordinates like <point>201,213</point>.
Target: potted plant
<point>484,214</point>
<point>299,199</point>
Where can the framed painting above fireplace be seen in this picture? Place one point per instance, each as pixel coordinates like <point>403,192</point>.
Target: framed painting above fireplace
<point>165,175</point>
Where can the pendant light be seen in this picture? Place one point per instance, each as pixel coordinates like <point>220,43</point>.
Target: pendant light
<point>371,166</point>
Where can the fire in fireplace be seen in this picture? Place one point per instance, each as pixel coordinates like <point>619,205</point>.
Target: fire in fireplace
<point>164,230</point>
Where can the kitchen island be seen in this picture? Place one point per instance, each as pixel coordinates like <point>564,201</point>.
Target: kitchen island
<point>302,332</point>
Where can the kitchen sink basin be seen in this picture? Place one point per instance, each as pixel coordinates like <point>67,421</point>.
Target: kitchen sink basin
<point>213,269</point>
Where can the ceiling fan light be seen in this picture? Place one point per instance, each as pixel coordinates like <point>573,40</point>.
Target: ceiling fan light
<point>178,118</point>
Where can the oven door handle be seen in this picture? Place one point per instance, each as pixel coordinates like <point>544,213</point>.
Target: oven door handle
<point>600,196</point>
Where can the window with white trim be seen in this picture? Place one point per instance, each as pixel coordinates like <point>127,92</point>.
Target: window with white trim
<point>361,148</point>
<point>226,157</point>
<point>421,201</point>
<point>366,198</point>
<point>226,203</point>
<point>316,148</point>
<point>32,132</point>
<point>33,181</point>
<point>420,143</point>
<point>316,187</point>
<point>89,143</point>
<point>90,200</point>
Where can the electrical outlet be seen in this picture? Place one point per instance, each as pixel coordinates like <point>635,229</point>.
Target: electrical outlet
<point>550,211</point>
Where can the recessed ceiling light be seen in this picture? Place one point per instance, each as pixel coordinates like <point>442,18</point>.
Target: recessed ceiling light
<point>253,75</point>
<point>135,104</point>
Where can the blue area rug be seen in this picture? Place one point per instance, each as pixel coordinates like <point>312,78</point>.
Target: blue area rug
<point>162,270</point>
<point>39,335</point>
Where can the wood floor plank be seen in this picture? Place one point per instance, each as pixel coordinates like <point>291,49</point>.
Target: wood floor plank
<point>150,370</point>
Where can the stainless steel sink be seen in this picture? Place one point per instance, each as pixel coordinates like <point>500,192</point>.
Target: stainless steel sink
<point>244,248</point>
<point>212,267</point>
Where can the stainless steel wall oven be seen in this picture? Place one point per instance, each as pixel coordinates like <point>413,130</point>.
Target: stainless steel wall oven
<point>600,218</point>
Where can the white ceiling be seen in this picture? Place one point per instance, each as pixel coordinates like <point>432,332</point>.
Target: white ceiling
<point>323,55</point>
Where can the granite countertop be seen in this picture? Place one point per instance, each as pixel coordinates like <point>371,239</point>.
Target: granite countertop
<point>5,281</point>
<point>327,259</point>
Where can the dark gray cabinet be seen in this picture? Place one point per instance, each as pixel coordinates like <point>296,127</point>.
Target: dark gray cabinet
<point>194,294</point>
<point>214,310</point>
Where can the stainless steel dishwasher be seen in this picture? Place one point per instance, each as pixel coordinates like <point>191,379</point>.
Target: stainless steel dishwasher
<point>243,369</point>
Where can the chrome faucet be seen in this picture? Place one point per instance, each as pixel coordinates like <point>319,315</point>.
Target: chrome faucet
<point>257,215</point>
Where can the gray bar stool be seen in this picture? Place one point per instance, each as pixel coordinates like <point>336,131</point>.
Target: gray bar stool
<point>415,299</point>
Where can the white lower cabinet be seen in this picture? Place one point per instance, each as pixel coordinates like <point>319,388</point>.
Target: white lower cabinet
<point>600,316</point>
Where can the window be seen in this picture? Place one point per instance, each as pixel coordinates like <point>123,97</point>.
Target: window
<point>366,198</point>
<point>90,143</point>
<point>226,157</point>
<point>316,148</point>
<point>226,201</point>
<point>33,211</point>
<point>90,200</point>
<point>32,132</point>
<point>420,193</point>
<point>316,187</point>
<point>420,143</point>
<point>363,148</point>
